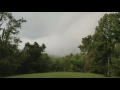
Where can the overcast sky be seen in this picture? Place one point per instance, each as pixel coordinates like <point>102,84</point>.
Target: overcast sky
<point>61,32</point>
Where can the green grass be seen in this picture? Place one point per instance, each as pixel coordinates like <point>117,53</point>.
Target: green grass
<point>59,75</point>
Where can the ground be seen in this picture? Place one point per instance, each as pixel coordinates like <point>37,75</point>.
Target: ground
<point>59,75</point>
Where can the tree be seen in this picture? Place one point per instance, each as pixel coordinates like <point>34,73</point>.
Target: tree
<point>9,41</point>
<point>33,59</point>
<point>101,46</point>
<point>77,62</point>
<point>109,27</point>
<point>115,66</point>
<point>45,64</point>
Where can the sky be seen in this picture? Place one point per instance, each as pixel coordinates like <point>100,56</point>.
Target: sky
<point>61,32</point>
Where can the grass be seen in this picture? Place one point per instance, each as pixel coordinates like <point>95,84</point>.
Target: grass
<point>58,75</point>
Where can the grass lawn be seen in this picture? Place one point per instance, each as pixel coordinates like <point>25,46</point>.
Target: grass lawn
<point>59,75</point>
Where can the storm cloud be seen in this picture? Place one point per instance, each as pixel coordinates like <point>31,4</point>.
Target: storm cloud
<point>61,32</point>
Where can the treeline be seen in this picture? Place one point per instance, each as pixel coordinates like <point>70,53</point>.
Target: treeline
<point>100,52</point>
<point>69,63</point>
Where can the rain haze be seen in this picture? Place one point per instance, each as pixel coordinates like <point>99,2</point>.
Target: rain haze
<point>61,32</point>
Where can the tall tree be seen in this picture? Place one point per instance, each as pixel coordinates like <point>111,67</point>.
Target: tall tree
<point>105,38</point>
<point>9,41</point>
<point>109,27</point>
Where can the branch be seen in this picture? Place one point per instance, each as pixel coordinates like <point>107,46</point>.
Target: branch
<point>1,24</point>
<point>1,16</point>
<point>3,34</point>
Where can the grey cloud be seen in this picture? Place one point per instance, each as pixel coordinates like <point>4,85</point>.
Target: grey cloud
<point>61,32</point>
<point>39,24</point>
<point>68,19</point>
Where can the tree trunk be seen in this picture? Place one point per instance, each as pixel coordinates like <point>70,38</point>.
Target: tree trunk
<point>108,73</point>
<point>109,62</point>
